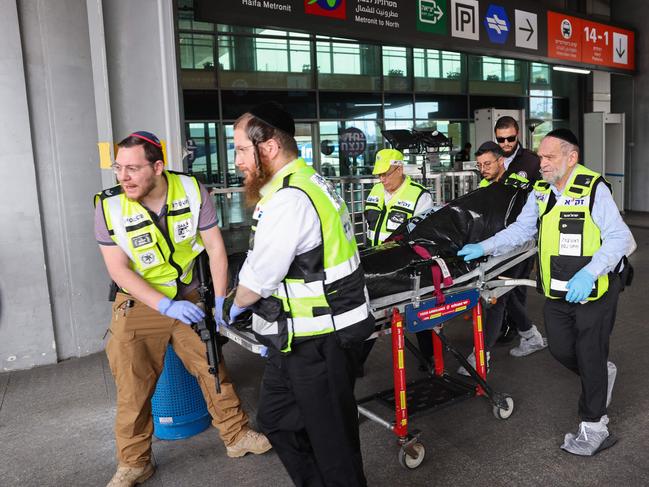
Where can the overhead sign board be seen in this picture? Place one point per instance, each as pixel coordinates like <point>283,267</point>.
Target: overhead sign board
<point>593,43</point>
<point>506,28</point>
<point>497,24</point>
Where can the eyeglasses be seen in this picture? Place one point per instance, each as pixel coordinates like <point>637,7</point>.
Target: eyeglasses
<point>241,150</point>
<point>130,170</point>
<point>511,138</point>
<point>485,164</point>
<point>389,173</point>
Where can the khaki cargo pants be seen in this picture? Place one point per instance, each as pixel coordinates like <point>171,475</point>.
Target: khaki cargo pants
<point>136,350</point>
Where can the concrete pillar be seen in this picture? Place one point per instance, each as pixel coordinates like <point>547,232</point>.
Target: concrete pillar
<point>142,71</point>
<point>64,134</point>
<point>26,325</point>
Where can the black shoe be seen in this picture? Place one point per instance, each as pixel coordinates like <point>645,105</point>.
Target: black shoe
<point>427,366</point>
<point>507,335</point>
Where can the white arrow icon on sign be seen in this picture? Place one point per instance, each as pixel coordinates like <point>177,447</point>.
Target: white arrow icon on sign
<point>620,48</point>
<point>438,13</point>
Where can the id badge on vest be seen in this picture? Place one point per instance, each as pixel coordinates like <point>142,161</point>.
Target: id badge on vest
<point>571,233</point>
<point>183,230</point>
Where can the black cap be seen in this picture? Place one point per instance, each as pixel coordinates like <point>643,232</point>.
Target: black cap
<point>564,134</point>
<point>489,146</point>
<point>274,115</point>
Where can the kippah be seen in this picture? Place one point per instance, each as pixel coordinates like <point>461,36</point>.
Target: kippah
<point>274,115</point>
<point>148,137</point>
<point>564,134</point>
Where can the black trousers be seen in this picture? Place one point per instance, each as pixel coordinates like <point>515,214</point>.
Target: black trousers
<point>578,337</point>
<point>514,303</point>
<point>308,412</point>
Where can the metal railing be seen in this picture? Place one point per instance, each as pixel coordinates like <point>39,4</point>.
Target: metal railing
<point>443,186</point>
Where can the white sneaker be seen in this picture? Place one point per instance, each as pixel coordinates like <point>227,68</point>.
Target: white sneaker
<point>612,374</point>
<point>530,345</point>
<point>471,359</point>
<point>588,439</point>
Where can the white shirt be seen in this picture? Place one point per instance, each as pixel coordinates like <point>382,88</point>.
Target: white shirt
<point>424,203</point>
<point>289,226</point>
<point>508,160</point>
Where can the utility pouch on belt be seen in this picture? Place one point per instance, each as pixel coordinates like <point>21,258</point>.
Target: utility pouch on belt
<point>272,311</point>
<point>626,274</point>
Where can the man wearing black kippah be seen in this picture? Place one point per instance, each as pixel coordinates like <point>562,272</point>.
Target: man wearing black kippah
<point>303,282</point>
<point>582,248</point>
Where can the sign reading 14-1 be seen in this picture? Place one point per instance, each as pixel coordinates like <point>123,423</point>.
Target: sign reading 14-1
<point>585,41</point>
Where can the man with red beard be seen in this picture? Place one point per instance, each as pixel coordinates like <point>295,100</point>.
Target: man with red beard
<point>303,281</point>
<point>151,228</point>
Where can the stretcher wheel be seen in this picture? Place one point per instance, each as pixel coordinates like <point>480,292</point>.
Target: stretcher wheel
<point>504,413</point>
<point>407,461</point>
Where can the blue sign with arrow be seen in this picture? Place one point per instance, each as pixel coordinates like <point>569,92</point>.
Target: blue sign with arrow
<point>497,24</point>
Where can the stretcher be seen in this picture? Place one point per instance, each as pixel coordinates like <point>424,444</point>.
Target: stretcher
<point>425,309</point>
<point>428,308</point>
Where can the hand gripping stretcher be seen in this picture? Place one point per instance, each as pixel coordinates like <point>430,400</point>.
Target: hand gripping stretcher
<point>427,309</point>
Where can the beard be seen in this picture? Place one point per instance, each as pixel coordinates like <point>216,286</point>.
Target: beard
<point>255,181</point>
<point>557,175</point>
<point>509,153</point>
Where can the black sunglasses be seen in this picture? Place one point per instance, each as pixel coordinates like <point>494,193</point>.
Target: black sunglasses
<point>511,138</point>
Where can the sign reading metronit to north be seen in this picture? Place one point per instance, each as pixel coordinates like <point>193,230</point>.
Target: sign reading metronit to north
<point>521,29</point>
<point>584,41</point>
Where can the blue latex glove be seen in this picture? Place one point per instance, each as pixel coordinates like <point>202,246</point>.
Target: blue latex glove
<point>264,351</point>
<point>185,311</point>
<point>236,311</point>
<point>471,251</point>
<point>218,311</point>
<point>580,286</point>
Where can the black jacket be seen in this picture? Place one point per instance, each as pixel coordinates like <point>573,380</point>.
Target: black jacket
<point>526,164</point>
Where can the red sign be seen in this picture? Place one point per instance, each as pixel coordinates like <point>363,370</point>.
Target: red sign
<point>583,41</point>
<point>336,9</point>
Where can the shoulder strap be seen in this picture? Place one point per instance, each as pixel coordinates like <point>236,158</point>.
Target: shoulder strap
<point>594,191</point>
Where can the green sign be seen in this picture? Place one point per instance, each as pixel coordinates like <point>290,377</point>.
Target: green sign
<point>431,16</point>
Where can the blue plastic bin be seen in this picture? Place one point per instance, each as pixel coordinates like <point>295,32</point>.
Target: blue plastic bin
<point>179,410</point>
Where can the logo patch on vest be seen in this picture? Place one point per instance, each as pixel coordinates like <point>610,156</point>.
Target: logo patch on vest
<point>568,201</point>
<point>257,213</point>
<point>328,189</point>
<point>133,219</point>
<point>372,199</point>
<point>522,174</point>
<point>141,240</point>
<point>179,204</point>
<point>148,259</point>
<point>406,204</point>
<point>183,230</point>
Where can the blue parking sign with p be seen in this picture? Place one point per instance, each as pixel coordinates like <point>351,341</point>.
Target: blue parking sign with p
<point>497,24</point>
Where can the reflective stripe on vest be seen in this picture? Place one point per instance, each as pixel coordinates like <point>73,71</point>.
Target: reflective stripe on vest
<point>161,259</point>
<point>484,182</point>
<point>384,219</point>
<point>568,236</point>
<point>324,290</point>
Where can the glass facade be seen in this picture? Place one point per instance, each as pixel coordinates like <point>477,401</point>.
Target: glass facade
<point>333,85</point>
